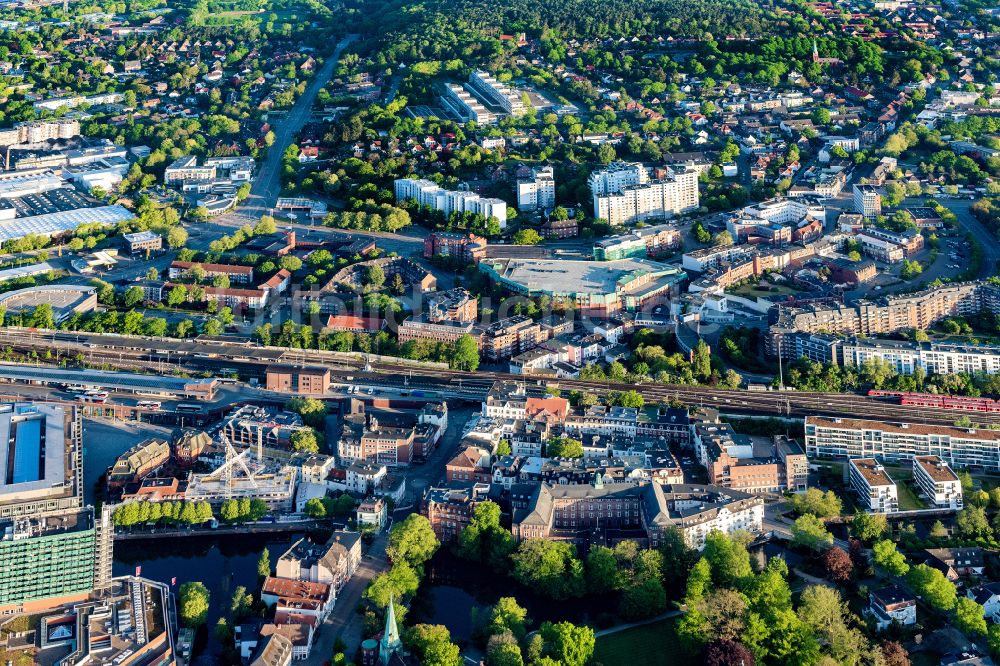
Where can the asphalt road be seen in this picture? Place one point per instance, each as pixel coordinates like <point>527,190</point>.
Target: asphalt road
<point>266,185</point>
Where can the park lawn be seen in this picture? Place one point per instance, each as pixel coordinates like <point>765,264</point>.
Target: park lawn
<point>754,291</point>
<point>653,644</point>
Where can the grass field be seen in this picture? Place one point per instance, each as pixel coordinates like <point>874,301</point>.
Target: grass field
<point>653,644</point>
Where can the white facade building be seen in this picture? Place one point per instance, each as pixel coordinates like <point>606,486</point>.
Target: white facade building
<point>537,192</point>
<point>496,93</point>
<point>875,489</point>
<point>896,442</point>
<point>429,193</point>
<point>933,357</point>
<point>459,101</point>
<point>624,193</point>
<point>937,482</point>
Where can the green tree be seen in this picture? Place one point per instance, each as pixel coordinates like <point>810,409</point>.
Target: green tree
<point>527,237</point>
<point>264,563</point>
<point>315,509</point>
<point>887,557</point>
<point>970,617</point>
<point>869,526</point>
<point>809,531</point>
<point>971,523</point>
<point>551,567</point>
<point>564,447</point>
<point>398,582</point>
<point>729,559</point>
<point>312,411</point>
<point>304,440</point>
<point>818,503</point>
<point>567,643</point>
<point>133,296</point>
<point>241,604</point>
<point>177,295</point>
<point>432,645</point>
<point>42,317</point>
<point>193,602</point>
<point>484,539</point>
<point>466,354</point>
<point>177,236</point>
<point>932,586</point>
<point>374,277</point>
<point>412,540</point>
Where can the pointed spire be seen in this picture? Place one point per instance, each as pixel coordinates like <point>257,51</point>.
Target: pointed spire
<point>390,642</point>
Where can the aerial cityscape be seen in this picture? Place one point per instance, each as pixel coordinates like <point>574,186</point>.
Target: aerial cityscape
<point>508,332</point>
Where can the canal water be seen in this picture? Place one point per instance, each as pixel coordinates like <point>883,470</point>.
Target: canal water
<point>222,563</point>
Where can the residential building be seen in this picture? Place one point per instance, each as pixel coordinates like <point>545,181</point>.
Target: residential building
<point>624,194</point>
<point>299,597</point>
<point>455,305</point>
<point>957,562</point>
<point>428,193</point>
<point>189,446</point>
<point>38,131</point>
<point>471,464</point>
<point>332,563</point>
<point>899,442</point>
<point>372,511</point>
<point>537,192</point>
<point>889,314</point>
<point>873,486</point>
<point>937,482</point>
<point>418,328</point>
<point>54,550</point>
<point>450,509</point>
<point>892,605</point>
<point>237,274</point>
<point>465,106</point>
<point>987,595</point>
<point>496,93</point>
<point>511,336</point>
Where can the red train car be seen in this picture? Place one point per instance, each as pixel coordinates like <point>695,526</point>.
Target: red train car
<point>964,403</point>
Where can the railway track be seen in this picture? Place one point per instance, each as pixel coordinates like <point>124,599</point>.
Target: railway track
<point>162,355</point>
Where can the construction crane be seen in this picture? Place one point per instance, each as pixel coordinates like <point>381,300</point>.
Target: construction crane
<point>233,460</point>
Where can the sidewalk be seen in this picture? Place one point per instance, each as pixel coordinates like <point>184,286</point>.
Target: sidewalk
<point>630,625</point>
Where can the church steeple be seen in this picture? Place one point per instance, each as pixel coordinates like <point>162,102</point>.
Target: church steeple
<point>815,52</point>
<point>390,642</point>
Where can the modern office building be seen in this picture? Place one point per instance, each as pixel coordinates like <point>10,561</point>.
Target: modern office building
<point>53,549</point>
<point>937,482</point>
<point>876,491</point>
<point>830,437</point>
<point>624,193</point>
<point>537,192</point>
<point>429,193</point>
<point>867,201</point>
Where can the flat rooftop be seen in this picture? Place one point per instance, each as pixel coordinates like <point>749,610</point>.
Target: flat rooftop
<point>935,468</point>
<point>898,428</point>
<point>115,381</point>
<point>57,222</point>
<point>567,276</point>
<point>872,471</point>
<point>34,460</point>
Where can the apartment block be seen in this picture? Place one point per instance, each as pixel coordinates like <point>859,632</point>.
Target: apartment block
<point>937,482</point>
<point>465,106</point>
<point>496,93</point>
<point>537,192</point>
<point>37,131</point>
<point>236,273</point>
<point>889,314</point>
<point>624,194</point>
<point>429,193</point>
<point>454,305</point>
<point>511,336</point>
<point>875,489</point>
<point>900,442</point>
